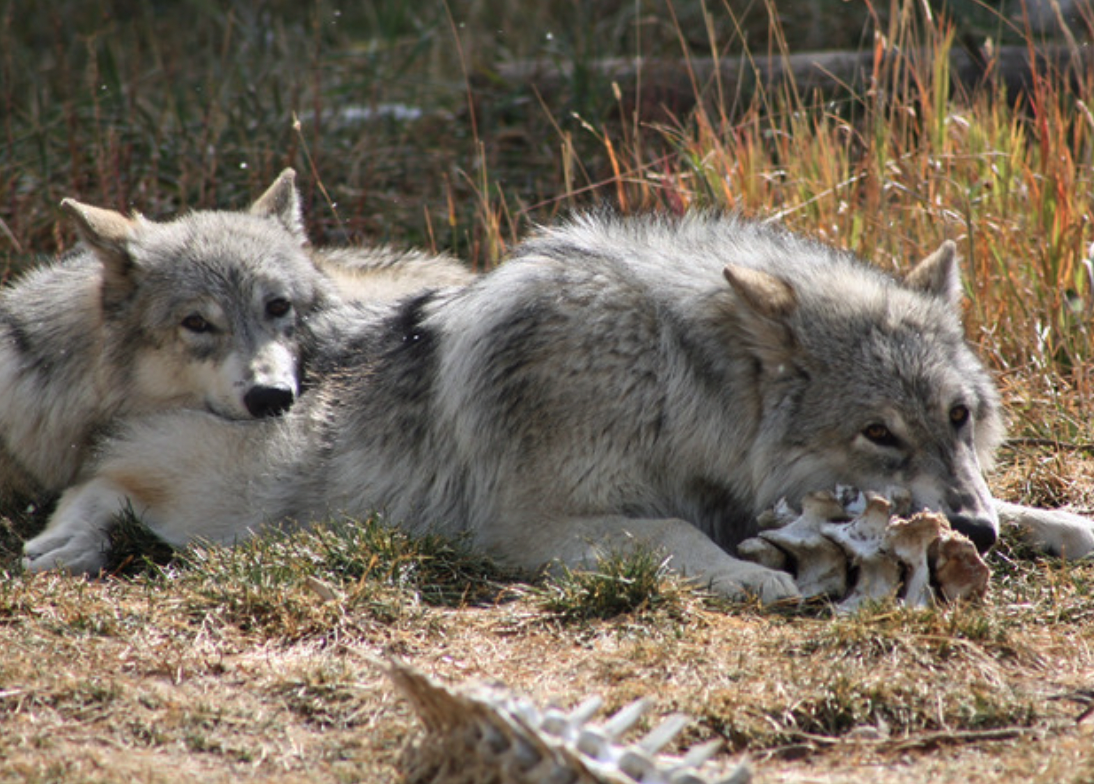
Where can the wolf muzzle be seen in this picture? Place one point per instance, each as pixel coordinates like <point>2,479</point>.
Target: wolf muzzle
<point>268,401</point>
<point>981,531</point>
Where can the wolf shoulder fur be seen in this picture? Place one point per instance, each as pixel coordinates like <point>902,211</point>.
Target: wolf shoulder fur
<point>618,382</point>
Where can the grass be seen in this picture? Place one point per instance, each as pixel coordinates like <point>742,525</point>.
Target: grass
<point>216,667</point>
<point>634,584</point>
<point>242,664</point>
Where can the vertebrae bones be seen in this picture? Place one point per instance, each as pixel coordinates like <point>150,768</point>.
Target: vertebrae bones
<point>856,547</point>
<point>485,734</point>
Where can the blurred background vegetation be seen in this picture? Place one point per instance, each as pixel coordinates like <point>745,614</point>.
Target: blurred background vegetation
<point>460,124</point>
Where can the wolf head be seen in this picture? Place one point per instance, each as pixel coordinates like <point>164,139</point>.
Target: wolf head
<point>869,381</point>
<point>203,311</point>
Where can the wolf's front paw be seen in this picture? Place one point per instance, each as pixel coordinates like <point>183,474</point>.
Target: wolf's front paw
<point>75,552</point>
<point>1050,531</point>
<point>745,578</point>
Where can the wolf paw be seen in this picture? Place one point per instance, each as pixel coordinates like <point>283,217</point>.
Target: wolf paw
<point>75,552</point>
<point>747,579</point>
<point>1051,531</point>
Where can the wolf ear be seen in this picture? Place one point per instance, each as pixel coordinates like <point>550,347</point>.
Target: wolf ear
<point>769,301</point>
<point>938,275</point>
<point>282,201</point>
<point>767,295</point>
<point>107,233</point>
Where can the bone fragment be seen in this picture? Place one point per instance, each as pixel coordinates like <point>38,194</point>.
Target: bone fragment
<point>958,568</point>
<point>821,567</point>
<point>759,550</point>
<point>863,541</point>
<point>909,540</point>
<point>778,516</point>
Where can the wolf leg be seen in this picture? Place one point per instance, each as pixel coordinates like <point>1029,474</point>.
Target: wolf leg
<point>1051,531</point>
<point>77,538</point>
<point>188,475</point>
<point>579,541</point>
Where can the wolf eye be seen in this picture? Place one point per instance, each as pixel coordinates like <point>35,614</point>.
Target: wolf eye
<point>279,307</point>
<point>196,323</point>
<point>959,415</point>
<point>879,434</point>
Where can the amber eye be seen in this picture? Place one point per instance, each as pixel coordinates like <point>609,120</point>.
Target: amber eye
<point>959,415</point>
<point>276,308</point>
<point>196,323</point>
<point>879,434</point>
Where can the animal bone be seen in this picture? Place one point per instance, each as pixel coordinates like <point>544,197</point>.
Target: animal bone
<point>958,568</point>
<point>765,553</point>
<point>821,567</point>
<point>485,733</point>
<point>779,515</point>
<point>863,541</point>
<point>910,541</point>
<point>891,554</point>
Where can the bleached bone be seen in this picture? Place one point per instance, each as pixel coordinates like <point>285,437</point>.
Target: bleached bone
<point>759,550</point>
<point>958,568</point>
<point>778,516</point>
<point>820,565</point>
<point>892,554</point>
<point>485,733</point>
<point>909,540</point>
<point>863,540</point>
<point>851,499</point>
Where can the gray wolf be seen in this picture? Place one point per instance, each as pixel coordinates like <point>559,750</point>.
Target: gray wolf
<point>617,383</point>
<point>202,312</point>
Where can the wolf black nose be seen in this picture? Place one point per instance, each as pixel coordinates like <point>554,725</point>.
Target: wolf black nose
<point>983,533</point>
<point>268,401</point>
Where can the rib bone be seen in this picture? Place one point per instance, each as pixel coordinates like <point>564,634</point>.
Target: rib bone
<point>485,733</point>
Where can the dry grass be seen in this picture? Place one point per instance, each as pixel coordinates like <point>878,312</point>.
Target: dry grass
<point>247,664</point>
<point>237,665</point>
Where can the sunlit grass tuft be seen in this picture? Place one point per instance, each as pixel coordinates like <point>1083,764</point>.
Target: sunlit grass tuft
<point>619,584</point>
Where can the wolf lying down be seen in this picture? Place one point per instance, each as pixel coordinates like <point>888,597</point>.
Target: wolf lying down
<point>618,382</point>
<point>203,312</point>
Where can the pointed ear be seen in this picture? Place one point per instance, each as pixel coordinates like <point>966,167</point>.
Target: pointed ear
<point>282,201</point>
<point>763,304</point>
<point>938,275</point>
<point>764,293</point>
<point>107,233</point>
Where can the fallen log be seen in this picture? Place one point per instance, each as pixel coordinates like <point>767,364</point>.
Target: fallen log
<point>675,84</point>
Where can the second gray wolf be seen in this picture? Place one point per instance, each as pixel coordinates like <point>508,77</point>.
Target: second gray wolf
<point>202,312</point>
<point>619,382</point>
